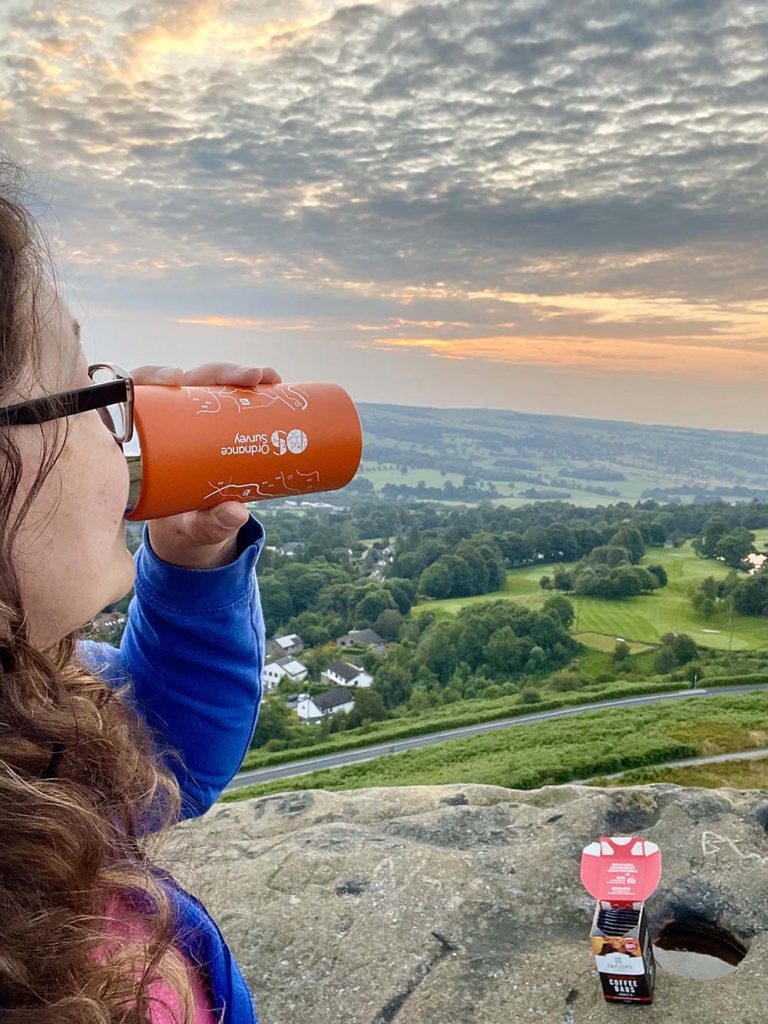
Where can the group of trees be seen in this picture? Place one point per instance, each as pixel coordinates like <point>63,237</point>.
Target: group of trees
<point>747,595</point>
<point>475,567</point>
<point>610,570</point>
<point>320,601</point>
<point>676,649</point>
<point>720,540</point>
<point>485,644</point>
<point>469,490</point>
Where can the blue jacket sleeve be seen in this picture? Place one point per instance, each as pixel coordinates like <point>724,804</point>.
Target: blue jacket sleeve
<point>193,651</point>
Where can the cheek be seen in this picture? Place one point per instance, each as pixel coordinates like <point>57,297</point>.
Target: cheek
<point>108,482</point>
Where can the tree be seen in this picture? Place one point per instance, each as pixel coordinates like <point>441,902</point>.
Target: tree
<point>436,581</point>
<point>621,651</point>
<point>371,605</point>
<point>274,722</point>
<point>561,609</point>
<point>437,649</point>
<point>368,707</point>
<point>317,659</point>
<point>626,582</point>
<point>676,649</point>
<point>276,604</point>
<point>389,624</point>
<point>476,568</point>
<point>503,653</point>
<point>562,579</point>
<point>657,535</point>
<point>394,679</point>
<point>629,537</point>
<point>536,660</point>
<point>462,577</point>
<point>305,581</point>
<point>515,549</point>
<point>733,547</point>
<point>714,529</point>
<point>315,629</point>
<point>660,573</point>
<point>559,542</point>
<point>647,580</point>
<point>703,603</point>
<point>685,648</point>
<point>530,695</point>
<point>403,591</point>
<point>494,563</point>
<point>750,596</point>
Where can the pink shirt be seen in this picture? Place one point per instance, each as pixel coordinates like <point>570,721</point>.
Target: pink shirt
<point>166,1009</point>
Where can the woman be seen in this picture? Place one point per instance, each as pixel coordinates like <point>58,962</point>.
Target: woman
<point>101,748</point>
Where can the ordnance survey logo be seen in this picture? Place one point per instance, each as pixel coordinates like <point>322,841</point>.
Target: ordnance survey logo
<point>294,441</point>
<point>279,442</point>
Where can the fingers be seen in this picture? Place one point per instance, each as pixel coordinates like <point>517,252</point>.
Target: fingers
<point>157,375</point>
<point>232,374</point>
<point>207,375</point>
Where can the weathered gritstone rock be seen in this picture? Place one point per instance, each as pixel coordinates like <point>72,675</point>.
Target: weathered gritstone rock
<point>453,904</point>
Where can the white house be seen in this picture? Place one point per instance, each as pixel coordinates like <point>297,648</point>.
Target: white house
<point>341,673</point>
<point>333,702</point>
<point>288,667</point>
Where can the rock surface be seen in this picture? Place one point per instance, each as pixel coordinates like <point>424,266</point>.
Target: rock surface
<point>453,904</point>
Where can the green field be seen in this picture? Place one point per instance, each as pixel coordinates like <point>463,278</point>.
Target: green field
<point>631,489</point>
<point>582,747</point>
<point>641,619</point>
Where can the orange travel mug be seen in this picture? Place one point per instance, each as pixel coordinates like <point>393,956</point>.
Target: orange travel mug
<point>201,446</point>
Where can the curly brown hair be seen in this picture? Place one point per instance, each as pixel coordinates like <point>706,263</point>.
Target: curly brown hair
<point>84,792</point>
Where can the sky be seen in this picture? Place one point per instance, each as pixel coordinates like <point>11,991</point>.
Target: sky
<point>522,204</point>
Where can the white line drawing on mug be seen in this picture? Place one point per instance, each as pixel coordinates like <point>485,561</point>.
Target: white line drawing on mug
<point>287,394</point>
<point>243,490</point>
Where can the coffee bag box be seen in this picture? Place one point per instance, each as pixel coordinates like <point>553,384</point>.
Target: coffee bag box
<point>621,872</point>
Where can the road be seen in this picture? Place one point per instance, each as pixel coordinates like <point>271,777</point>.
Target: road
<point>313,764</point>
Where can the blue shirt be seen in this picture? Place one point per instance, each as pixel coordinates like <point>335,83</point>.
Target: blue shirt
<point>193,651</point>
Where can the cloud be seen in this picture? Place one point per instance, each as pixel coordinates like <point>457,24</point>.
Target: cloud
<point>601,163</point>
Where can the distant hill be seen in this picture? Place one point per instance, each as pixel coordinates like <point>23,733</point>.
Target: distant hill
<point>485,454</point>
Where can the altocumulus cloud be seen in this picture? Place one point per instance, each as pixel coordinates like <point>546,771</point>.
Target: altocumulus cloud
<point>438,176</point>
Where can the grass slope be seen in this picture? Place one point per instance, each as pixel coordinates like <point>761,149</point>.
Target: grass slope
<point>542,753</point>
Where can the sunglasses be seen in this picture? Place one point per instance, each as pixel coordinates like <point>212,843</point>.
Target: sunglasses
<point>111,395</point>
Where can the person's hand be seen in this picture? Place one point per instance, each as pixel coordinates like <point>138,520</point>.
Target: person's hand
<point>208,538</point>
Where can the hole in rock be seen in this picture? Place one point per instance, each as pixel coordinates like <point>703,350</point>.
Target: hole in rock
<point>697,949</point>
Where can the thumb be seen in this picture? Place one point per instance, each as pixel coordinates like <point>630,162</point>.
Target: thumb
<point>214,525</point>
